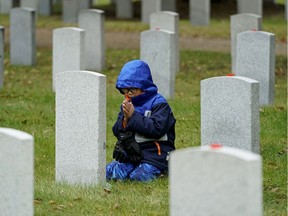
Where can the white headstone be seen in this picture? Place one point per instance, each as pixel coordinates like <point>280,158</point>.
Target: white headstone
<point>199,12</point>
<point>256,60</point>
<point>224,181</point>
<point>124,9</point>
<point>6,6</point>
<point>80,127</point>
<point>22,36</point>
<point>230,112</point>
<point>70,10</point>
<point>250,6</point>
<point>16,173</point>
<point>169,21</point>
<point>30,3</point>
<point>45,7</point>
<point>169,5</point>
<point>240,23</point>
<point>68,50</point>
<point>148,7</point>
<point>158,50</point>
<point>92,21</point>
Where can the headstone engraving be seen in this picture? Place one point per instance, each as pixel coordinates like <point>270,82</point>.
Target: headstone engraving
<point>16,172</point>
<point>221,182</point>
<point>256,60</point>
<point>80,127</point>
<point>230,112</point>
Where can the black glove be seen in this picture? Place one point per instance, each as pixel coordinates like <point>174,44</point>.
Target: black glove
<point>130,146</point>
<point>119,154</point>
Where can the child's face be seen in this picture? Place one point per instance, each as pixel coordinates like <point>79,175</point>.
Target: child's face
<point>132,92</point>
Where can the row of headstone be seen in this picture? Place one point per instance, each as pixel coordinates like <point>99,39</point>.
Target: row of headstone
<point>256,60</point>
<point>80,48</point>
<point>253,53</point>
<point>16,173</point>
<point>43,7</point>
<point>199,13</point>
<point>240,23</point>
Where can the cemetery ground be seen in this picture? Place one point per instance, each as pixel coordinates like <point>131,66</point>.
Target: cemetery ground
<point>28,104</point>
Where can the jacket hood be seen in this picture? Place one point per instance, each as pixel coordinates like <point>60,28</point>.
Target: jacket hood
<point>136,74</point>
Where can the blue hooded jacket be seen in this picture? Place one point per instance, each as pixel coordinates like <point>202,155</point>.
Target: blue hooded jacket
<point>152,121</point>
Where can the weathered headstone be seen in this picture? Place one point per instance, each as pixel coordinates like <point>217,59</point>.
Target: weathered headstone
<point>148,7</point>
<point>158,50</point>
<point>80,127</point>
<point>248,6</point>
<point>230,112</point>
<point>22,36</point>
<point>169,21</point>
<point>221,181</point>
<point>2,44</point>
<point>124,9</point>
<point>240,23</point>
<point>199,13</point>
<point>68,50</point>
<point>6,6</point>
<point>92,21</point>
<point>256,60</point>
<point>45,7</point>
<point>16,173</point>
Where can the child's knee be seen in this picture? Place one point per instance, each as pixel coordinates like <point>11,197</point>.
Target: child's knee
<point>144,172</point>
<point>118,171</point>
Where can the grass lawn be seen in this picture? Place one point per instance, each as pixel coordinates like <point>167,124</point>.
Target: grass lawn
<point>28,104</point>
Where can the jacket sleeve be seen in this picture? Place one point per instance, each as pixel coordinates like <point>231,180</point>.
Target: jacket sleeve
<point>118,127</point>
<point>156,125</point>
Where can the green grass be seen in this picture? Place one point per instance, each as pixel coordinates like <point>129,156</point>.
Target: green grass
<point>27,103</point>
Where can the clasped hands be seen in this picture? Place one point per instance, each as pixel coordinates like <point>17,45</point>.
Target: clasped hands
<point>128,110</point>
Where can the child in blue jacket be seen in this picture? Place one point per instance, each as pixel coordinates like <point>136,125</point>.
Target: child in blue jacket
<point>145,127</point>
